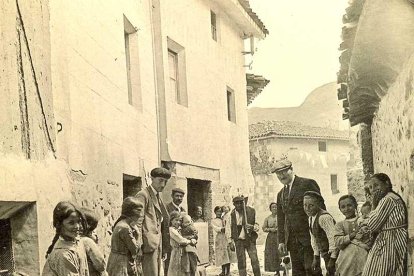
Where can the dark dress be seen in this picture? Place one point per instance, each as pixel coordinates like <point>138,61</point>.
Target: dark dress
<point>272,258</point>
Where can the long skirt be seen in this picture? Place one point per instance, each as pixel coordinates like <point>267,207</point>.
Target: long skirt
<point>221,250</point>
<point>351,261</point>
<point>121,265</point>
<point>272,259</point>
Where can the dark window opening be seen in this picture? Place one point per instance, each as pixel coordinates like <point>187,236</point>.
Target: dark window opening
<point>131,185</point>
<point>334,184</point>
<point>6,248</point>
<point>213,25</point>
<point>322,146</point>
<point>231,106</point>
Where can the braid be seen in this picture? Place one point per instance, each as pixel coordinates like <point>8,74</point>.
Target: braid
<point>55,239</point>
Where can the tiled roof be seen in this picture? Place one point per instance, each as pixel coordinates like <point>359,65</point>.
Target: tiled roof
<point>255,85</point>
<point>294,130</point>
<point>246,6</point>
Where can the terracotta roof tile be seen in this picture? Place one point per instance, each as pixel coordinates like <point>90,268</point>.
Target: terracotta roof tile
<point>294,130</point>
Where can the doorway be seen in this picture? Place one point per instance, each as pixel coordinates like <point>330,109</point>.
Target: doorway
<point>6,248</point>
<point>199,194</point>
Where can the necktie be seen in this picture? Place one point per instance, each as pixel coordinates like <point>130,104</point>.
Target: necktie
<point>286,194</point>
<point>310,224</point>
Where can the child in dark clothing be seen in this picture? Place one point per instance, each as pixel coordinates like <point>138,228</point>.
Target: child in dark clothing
<point>189,258</point>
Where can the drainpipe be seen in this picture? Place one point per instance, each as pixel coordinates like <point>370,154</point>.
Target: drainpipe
<point>159,80</point>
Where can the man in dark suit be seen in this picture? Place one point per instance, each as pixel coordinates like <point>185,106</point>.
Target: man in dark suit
<point>292,220</point>
<point>177,196</point>
<point>244,234</point>
<point>154,225</point>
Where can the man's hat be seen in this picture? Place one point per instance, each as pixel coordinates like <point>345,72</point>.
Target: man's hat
<point>314,194</point>
<point>161,172</point>
<point>240,198</point>
<point>281,165</point>
<point>177,190</point>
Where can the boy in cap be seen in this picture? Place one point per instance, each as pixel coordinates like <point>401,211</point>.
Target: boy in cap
<point>291,217</point>
<point>322,229</point>
<point>244,234</point>
<point>155,223</point>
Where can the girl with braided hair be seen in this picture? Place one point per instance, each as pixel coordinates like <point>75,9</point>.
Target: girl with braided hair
<point>126,254</point>
<point>66,255</point>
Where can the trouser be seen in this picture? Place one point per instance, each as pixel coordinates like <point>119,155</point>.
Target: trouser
<point>326,258</point>
<point>167,263</point>
<point>301,257</point>
<point>241,247</point>
<point>151,263</point>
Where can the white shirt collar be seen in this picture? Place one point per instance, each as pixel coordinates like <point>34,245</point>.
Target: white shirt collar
<point>313,219</point>
<point>153,189</point>
<point>291,182</point>
<point>176,206</point>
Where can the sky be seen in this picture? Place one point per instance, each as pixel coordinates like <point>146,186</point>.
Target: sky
<point>301,51</point>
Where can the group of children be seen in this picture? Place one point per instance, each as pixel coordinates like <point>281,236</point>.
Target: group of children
<point>74,249</point>
<point>349,240</point>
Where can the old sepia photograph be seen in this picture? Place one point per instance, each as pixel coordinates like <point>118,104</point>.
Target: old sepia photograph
<point>206,138</point>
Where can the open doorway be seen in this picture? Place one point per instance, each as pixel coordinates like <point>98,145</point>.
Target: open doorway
<point>199,195</point>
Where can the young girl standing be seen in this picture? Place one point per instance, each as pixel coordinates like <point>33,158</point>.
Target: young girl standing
<point>96,260</point>
<point>66,255</point>
<point>124,242</point>
<point>178,244</point>
<point>221,242</point>
<point>352,240</point>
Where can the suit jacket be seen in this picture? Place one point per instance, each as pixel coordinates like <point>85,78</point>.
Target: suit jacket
<point>156,219</point>
<point>170,207</point>
<point>251,219</point>
<point>292,220</point>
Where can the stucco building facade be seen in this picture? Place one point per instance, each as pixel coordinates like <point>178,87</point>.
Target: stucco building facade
<point>102,92</point>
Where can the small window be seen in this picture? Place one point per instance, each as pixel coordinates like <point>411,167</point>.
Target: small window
<point>231,110</point>
<point>173,71</point>
<point>322,146</point>
<point>132,64</point>
<point>131,185</point>
<point>334,184</point>
<point>177,72</point>
<point>213,25</point>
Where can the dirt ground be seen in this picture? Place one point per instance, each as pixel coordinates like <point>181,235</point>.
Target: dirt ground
<point>214,271</point>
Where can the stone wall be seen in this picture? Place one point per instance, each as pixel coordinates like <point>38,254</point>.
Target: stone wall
<point>25,241</point>
<point>393,140</point>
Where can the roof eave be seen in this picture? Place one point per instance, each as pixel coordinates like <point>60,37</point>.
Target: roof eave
<point>298,137</point>
<point>241,18</point>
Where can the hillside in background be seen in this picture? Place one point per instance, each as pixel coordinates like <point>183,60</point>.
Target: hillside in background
<point>321,109</point>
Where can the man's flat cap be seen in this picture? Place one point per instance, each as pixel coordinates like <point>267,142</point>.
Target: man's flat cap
<point>161,172</point>
<point>177,190</point>
<point>281,165</point>
<point>238,198</point>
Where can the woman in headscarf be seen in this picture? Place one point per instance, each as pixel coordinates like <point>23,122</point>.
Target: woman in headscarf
<point>389,223</point>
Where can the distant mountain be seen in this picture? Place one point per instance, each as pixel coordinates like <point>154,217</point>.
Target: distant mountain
<point>321,109</point>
